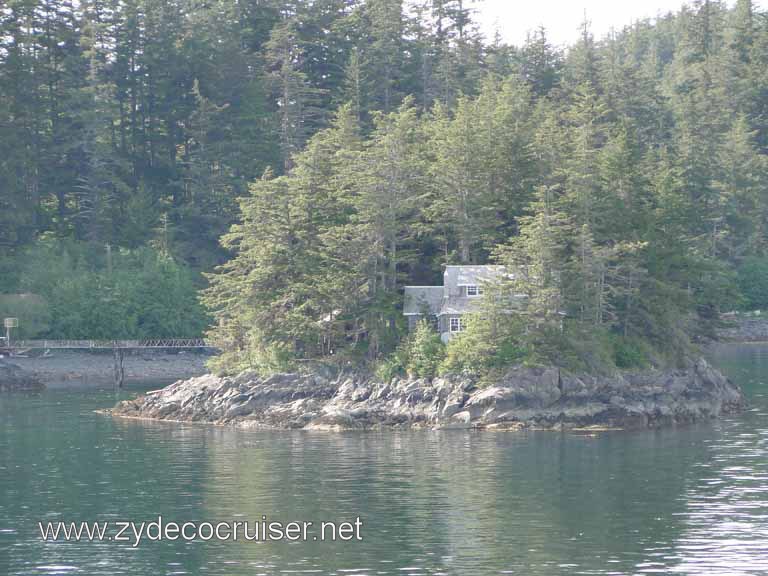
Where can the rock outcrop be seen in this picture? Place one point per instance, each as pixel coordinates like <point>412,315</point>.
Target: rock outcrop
<point>525,397</point>
<point>13,378</point>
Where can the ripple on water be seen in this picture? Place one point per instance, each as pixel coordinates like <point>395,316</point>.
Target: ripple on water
<point>690,500</point>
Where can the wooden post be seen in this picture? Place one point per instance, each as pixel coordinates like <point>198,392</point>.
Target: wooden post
<point>117,353</point>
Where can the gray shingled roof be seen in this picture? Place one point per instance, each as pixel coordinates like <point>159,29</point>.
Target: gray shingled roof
<point>432,298</point>
<point>471,275</point>
<point>459,305</point>
<point>420,298</point>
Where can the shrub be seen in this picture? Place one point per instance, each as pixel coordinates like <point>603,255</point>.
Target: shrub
<point>136,294</point>
<point>486,345</point>
<point>32,311</point>
<point>425,351</point>
<point>258,355</point>
<point>389,368</point>
<point>393,365</point>
<point>419,355</point>
<point>753,283</point>
<point>629,352</point>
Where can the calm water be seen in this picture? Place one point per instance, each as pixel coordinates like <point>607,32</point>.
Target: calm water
<point>687,501</point>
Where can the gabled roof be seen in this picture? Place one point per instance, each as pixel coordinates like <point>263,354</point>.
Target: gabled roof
<point>419,299</point>
<point>435,299</point>
<point>471,275</point>
<point>459,305</point>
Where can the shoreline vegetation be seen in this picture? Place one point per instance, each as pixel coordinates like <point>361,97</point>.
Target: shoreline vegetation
<point>523,398</point>
<point>279,194</point>
<point>95,368</point>
<point>626,220</point>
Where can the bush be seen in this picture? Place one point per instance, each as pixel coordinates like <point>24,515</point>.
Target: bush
<point>393,365</point>
<point>32,311</point>
<point>419,355</point>
<point>485,346</point>
<point>753,283</point>
<point>258,355</point>
<point>389,368</point>
<point>138,294</point>
<point>425,351</point>
<point>629,353</point>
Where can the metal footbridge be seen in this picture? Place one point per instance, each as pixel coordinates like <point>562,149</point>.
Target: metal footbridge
<point>118,348</point>
<point>153,343</point>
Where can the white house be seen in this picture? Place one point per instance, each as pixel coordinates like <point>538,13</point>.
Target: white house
<point>445,306</point>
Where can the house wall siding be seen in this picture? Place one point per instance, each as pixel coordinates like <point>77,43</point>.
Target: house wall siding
<point>454,296</point>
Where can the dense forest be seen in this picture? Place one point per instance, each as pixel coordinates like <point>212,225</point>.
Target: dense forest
<point>299,161</point>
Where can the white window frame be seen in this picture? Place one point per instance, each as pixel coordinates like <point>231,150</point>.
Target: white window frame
<point>476,288</point>
<point>455,328</point>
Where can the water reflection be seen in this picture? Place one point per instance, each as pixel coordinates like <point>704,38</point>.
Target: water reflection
<point>726,520</point>
<point>690,500</point>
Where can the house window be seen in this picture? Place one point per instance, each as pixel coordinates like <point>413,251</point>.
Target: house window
<point>474,290</point>
<point>457,325</point>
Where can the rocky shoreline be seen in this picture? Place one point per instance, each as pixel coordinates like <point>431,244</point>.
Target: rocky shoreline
<point>15,379</point>
<point>526,397</point>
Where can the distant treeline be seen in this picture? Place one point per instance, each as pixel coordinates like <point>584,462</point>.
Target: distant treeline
<point>374,142</point>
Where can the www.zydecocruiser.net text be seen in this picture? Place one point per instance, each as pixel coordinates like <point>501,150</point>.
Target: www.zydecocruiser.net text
<point>263,530</point>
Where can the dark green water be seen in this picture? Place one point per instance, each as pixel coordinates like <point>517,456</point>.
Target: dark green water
<point>690,500</point>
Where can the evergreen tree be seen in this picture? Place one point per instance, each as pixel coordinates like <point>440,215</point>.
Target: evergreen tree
<point>541,63</point>
<point>371,142</point>
<point>296,98</point>
<point>482,169</point>
<point>391,183</point>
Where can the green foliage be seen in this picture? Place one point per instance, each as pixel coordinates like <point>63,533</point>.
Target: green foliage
<point>753,282</point>
<point>394,365</point>
<point>32,311</point>
<point>488,343</point>
<point>629,353</point>
<point>86,294</point>
<point>482,168</point>
<point>465,355</point>
<point>419,355</point>
<point>257,355</point>
<point>425,351</point>
<point>573,346</point>
<point>622,180</point>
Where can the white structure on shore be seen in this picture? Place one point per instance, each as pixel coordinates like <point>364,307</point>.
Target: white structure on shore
<point>444,306</point>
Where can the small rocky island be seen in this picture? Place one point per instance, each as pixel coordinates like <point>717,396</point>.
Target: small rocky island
<point>526,397</point>
<point>15,379</point>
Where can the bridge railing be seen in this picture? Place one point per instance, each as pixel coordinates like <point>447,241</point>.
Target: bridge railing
<point>111,344</point>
